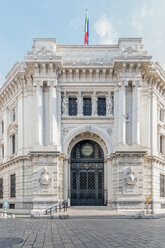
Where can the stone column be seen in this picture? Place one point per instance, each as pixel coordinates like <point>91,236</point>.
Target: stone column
<point>53,113</point>
<point>80,104</point>
<point>135,113</point>
<point>122,111</point>
<point>94,104</point>
<point>39,112</point>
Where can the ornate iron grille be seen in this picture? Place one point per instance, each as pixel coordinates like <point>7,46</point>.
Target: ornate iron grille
<point>72,106</point>
<point>87,106</point>
<point>101,106</point>
<point>162,185</point>
<point>1,188</point>
<point>87,174</point>
<point>13,144</point>
<point>12,186</point>
<point>112,97</point>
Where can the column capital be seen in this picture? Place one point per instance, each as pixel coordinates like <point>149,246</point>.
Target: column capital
<point>52,83</point>
<point>137,83</point>
<point>123,83</point>
<point>38,83</point>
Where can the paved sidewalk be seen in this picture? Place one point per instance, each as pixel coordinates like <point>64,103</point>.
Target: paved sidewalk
<point>91,233</point>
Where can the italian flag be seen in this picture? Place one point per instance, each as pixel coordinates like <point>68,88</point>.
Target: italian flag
<point>86,30</point>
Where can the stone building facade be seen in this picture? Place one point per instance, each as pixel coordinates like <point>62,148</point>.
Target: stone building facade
<point>83,124</point>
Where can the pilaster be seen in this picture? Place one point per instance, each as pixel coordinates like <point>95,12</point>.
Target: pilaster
<point>135,112</point>
<point>53,112</point>
<point>39,112</point>
<point>122,111</point>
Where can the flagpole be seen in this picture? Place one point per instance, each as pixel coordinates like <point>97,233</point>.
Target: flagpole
<point>86,29</point>
<point>87,25</point>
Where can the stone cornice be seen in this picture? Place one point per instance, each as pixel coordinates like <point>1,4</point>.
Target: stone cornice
<point>13,161</point>
<point>118,154</point>
<point>155,159</point>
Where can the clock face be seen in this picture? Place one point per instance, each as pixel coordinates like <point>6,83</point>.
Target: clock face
<point>87,150</point>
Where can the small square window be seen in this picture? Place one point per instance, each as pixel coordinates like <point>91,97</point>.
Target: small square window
<point>11,206</point>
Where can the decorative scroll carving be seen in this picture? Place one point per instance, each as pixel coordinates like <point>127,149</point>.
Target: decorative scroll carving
<point>137,83</point>
<point>45,178</point>
<point>52,83</point>
<point>130,50</point>
<point>38,83</point>
<point>123,82</point>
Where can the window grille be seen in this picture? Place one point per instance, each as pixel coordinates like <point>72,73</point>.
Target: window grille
<point>72,106</point>
<point>112,97</point>
<point>101,106</point>
<point>13,115</point>
<point>13,143</point>
<point>162,185</point>
<point>87,106</point>
<point>11,206</point>
<point>12,186</point>
<point>1,188</point>
<point>2,151</point>
<point>161,144</point>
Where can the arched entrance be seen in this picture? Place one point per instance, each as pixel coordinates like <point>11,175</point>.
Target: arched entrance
<point>87,174</point>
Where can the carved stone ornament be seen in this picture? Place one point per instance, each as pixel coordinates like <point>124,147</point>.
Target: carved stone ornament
<point>65,131</point>
<point>137,83</point>
<point>109,104</point>
<point>123,82</point>
<point>52,83</point>
<point>44,50</point>
<point>109,130</point>
<point>45,178</point>
<point>65,104</point>
<point>38,83</point>
<point>13,128</point>
<point>130,178</point>
<point>130,50</point>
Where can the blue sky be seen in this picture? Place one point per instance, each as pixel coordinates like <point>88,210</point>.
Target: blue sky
<point>23,20</point>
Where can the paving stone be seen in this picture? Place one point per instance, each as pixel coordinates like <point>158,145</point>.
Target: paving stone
<point>83,233</point>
